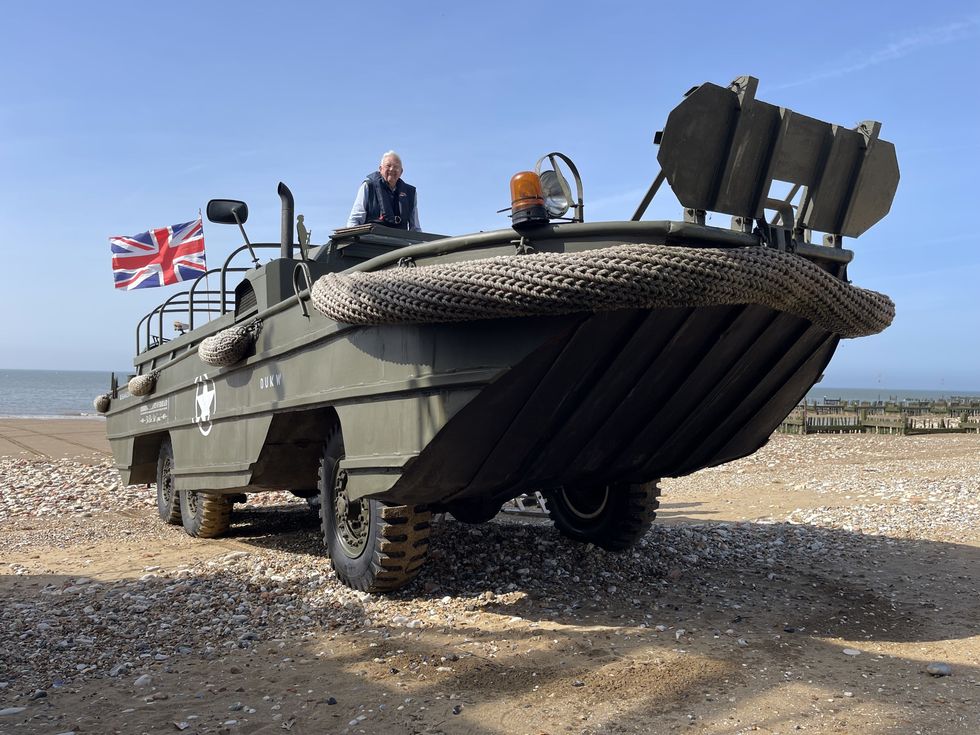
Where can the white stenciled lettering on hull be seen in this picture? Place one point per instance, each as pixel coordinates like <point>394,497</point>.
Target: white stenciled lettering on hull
<point>270,381</point>
<point>155,412</point>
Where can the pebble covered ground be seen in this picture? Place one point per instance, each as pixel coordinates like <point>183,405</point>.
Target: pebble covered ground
<point>853,574</point>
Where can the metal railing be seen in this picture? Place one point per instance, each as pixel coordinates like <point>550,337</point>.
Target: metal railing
<point>193,301</point>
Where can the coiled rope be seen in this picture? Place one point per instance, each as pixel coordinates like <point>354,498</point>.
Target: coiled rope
<point>619,277</point>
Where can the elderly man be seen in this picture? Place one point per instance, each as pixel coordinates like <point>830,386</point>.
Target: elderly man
<point>385,199</point>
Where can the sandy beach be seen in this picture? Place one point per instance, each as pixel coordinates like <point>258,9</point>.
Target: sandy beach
<point>53,438</point>
<point>827,584</point>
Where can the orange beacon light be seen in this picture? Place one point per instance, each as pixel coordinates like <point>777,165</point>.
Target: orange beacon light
<point>527,200</point>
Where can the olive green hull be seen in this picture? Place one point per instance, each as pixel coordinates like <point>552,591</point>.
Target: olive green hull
<point>479,411</point>
<point>391,388</point>
<point>627,396</point>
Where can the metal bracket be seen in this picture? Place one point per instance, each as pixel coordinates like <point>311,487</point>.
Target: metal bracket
<point>248,244</point>
<point>304,269</point>
<point>406,262</point>
<point>778,238</point>
<point>651,192</point>
<point>522,246</point>
<point>697,216</point>
<point>531,504</point>
<point>742,224</point>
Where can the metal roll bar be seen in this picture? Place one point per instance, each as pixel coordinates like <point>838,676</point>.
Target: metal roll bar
<point>213,302</point>
<point>225,269</point>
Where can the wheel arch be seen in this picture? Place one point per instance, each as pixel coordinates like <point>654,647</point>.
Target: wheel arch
<point>146,451</point>
<point>290,456</point>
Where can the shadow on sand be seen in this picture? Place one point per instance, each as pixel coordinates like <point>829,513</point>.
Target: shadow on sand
<point>696,618</point>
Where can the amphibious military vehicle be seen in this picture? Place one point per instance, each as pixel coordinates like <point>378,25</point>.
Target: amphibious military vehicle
<point>394,374</point>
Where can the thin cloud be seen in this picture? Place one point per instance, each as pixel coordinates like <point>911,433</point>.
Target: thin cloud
<point>927,38</point>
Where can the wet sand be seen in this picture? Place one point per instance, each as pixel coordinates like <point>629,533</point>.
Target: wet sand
<point>53,438</point>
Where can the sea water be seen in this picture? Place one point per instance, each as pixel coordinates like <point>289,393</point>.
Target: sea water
<point>51,393</point>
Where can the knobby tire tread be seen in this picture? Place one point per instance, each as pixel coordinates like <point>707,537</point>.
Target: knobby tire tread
<point>625,520</point>
<point>165,468</point>
<point>212,514</point>
<point>215,515</point>
<point>399,545</point>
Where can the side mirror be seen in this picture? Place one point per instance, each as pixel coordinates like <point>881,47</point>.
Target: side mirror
<point>227,211</point>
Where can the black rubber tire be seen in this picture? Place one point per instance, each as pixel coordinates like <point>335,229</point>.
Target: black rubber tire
<point>205,515</point>
<point>312,498</point>
<point>168,504</point>
<point>613,517</point>
<point>475,513</point>
<point>392,541</point>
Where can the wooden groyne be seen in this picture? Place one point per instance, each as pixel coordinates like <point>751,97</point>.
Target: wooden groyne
<point>906,417</point>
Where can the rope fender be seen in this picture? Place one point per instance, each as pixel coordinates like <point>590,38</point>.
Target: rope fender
<point>619,277</point>
<point>143,385</point>
<point>229,345</point>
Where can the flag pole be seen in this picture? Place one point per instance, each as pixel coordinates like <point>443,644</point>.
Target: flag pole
<point>207,281</point>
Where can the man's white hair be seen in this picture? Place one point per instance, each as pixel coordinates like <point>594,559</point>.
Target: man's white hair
<point>392,154</point>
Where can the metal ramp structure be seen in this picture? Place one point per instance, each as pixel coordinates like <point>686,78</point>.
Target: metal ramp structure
<point>722,150</point>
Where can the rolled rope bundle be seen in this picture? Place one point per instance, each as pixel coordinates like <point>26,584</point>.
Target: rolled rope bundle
<point>229,345</point>
<point>619,277</point>
<point>102,402</point>
<point>143,385</point>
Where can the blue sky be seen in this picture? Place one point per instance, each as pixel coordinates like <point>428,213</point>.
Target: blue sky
<point>118,117</point>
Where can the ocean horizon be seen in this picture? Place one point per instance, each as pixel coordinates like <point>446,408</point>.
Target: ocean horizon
<point>52,393</point>
<point>819,393</point>
<point>69,393</point>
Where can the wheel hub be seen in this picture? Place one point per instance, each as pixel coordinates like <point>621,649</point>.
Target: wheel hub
<point>352,520</point>
<point>586,503</point>
<point>168,484</point>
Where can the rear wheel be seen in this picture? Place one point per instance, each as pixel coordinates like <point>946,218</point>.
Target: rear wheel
<point>168,506</point>
<point>475,512</point>
<point>205,515</point>
<point>613,517</point>
<point>373,547</point>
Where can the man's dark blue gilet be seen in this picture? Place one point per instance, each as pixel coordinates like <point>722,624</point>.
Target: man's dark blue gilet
<point>386,207</point>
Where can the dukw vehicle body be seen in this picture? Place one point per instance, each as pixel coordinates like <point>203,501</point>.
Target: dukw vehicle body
<point>394,374</point>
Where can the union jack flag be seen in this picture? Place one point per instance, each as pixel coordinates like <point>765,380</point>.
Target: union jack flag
<point>159,257</point>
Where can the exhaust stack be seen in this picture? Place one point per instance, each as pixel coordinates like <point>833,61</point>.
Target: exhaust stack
<point>286,230</point>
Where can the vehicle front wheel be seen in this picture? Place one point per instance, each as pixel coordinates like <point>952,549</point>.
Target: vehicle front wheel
<point>168,506</point>
<point>205,515</point>
<point>613,517</point>
<point>373,547</point>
